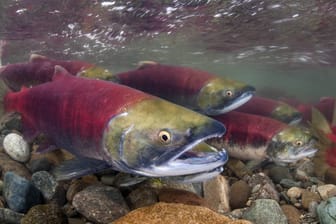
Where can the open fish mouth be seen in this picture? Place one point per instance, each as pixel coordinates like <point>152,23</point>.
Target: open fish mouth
<point>186,161</point>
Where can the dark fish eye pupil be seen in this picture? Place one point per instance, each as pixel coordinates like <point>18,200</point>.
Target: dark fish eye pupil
<point>164,138</point>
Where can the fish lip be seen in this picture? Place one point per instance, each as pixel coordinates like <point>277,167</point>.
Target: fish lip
<point>246,94</point>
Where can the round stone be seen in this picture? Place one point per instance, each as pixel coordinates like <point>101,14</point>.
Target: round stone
<point>16,147</point>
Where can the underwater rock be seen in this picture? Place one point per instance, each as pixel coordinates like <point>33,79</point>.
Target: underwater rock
<point>7,164</point>
<point>278,173</point>
<point>238,168</point>
<point>294,192</point>
<point>326,211</point>
<point>20,193</point>
<point>48,213</point>
<point>240,192</point>
<point>288,183</point>
<point>170,195</point>
<point>46,183</point>
<point>309,197</point>
<point>262,187</point>
<point>217,194</point>
<point>39,164</point>
<point>16,147</point>
<point>292,214</point>
<point>75,187</point>
<point>99,203</point>
<point>265,211</point>
<point>141,197</point>
<point>172,213</point>
<point>9,216</point>
<point>327,191</point>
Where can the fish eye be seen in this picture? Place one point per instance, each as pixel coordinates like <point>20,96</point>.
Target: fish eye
<point>229,93</point>
<point>164,136</point>
<point>298,143</point>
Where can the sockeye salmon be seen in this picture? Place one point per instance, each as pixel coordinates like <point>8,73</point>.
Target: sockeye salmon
<point>271,108</point>
<point>253,137</point>
<point>195,89</point>
<point>40,69</point>
<point>107,125</point>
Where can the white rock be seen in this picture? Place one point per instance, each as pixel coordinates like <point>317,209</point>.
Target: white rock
<point>16,147</point>
<point>294,192</point>
<point>327,191</point>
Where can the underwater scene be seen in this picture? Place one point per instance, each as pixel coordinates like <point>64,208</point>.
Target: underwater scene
<point>171,111</point>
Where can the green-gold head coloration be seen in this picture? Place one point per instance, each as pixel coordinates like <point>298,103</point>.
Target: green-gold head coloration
<point>221,95</point>
<point>286,114</point>
<point>292,144</point>
<point>154,137</point>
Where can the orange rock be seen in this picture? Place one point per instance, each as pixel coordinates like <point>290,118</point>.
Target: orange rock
<point>171,213</point>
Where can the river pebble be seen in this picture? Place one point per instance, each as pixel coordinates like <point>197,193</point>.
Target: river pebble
<point>141,197</point>
<point>240,192</point>
<point>172,213</point>
<point>16,147</point>
<point>170,195</point>
<point>278,173</point>
<point>309,197</point>
<point>327,191</point>
<point>326,211</point>
<point>7,164</point>
<point>330,175</point>
<point>262,187</point>
<point>20,193</point>
<point>216,194</point>
<point>8,216</point>
<point>265,211</point>
<point>46,183</point>
<point>101,204</point>
<point>293,214</point>
<point>42,214</point>
<point>294,192</point>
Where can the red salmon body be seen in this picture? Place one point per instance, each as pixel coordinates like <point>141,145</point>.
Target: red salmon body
<point>166,80</point>
<point>38,70</point>
<point>72,111</point>
<point>248,129</point>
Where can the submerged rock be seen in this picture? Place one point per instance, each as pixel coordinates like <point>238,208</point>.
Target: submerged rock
<point>16,147</point>
<point>41,214</point>
<point>216,194</point>
<point>239,194</point>
<point>327,191</point>
<point>265,211</point>
<point>9,216</point>
<point>7,164</point>
<point>292,214</point>
<point>46,183</point>
<point>20,193</point>
<point>141,197</point>
<point>170,195</point>
<point>326,211</point>
<point>172,213</point>
<point>101,204</point>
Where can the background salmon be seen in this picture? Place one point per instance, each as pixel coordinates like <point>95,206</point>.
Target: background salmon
<point>196,89</point>
<point>253,137</point>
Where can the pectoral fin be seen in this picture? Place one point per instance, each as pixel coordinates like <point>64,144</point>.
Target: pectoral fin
<point>79,167</point>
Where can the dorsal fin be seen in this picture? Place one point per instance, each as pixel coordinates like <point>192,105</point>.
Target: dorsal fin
<point>37,57</point>
<point>145,64</point>
<point>60,73</point>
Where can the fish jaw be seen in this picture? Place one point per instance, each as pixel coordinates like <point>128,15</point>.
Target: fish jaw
<point>131,140</point>
<point>223,95</point>
<point>291,144</point>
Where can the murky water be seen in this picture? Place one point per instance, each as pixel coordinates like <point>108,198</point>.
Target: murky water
<point>283,48</point>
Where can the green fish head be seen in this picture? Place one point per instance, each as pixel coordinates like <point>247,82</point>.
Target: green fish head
<point>154,137</point>
<point>286,114</point>
<point>291,144</point>
<point>223,95</point>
